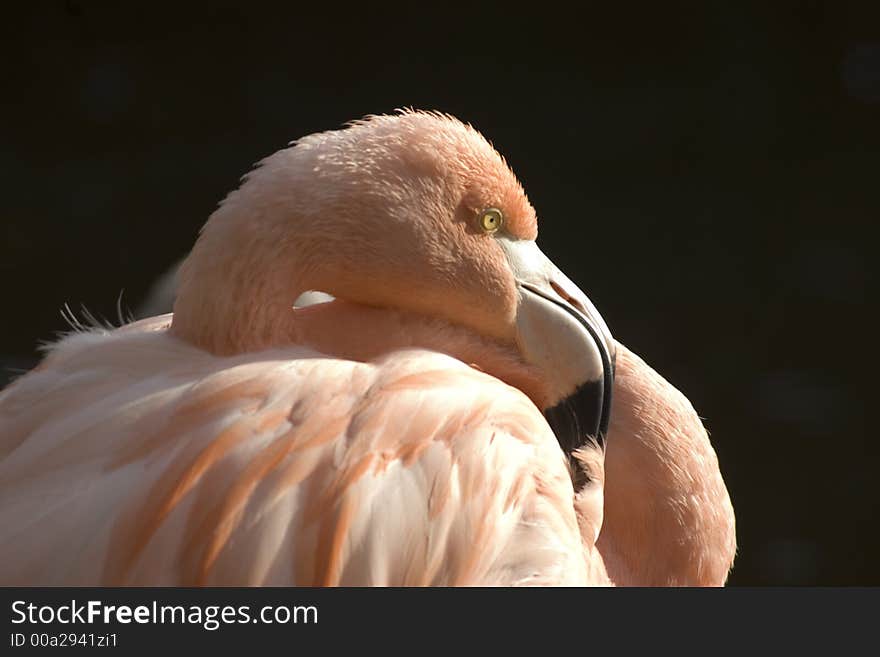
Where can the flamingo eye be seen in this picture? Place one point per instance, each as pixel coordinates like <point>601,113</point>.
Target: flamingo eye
<point>491,219</point>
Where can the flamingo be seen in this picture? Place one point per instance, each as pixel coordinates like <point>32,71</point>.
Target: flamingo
<point>444,418</point>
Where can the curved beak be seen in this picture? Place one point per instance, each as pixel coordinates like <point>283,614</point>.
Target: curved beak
<point>561,332</point>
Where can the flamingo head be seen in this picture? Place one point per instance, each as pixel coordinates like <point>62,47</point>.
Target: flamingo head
<point>418,212</point>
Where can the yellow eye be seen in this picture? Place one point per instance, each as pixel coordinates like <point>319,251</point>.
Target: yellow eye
<point>491,220</point>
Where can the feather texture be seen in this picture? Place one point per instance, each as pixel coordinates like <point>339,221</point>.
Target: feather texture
<point>169,466</point>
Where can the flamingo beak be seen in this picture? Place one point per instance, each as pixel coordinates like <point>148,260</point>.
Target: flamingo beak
<point>561,332</point>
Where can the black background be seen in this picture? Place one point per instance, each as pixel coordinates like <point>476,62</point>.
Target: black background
<point>707,172</point>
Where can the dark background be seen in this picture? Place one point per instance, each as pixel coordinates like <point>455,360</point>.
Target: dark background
<point>708,174</point>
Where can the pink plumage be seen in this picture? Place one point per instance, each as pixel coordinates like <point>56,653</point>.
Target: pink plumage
<point>392,436</point>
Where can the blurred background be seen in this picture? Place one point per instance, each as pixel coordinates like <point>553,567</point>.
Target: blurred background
<point>708,173</point>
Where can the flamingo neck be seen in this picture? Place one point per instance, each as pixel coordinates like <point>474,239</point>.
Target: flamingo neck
<point>668,517</point>
<point>238,285</point>
<point>238,301</point>
<point>227,307</point>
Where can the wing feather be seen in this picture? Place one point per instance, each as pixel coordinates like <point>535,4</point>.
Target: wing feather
<point>131,458</point>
